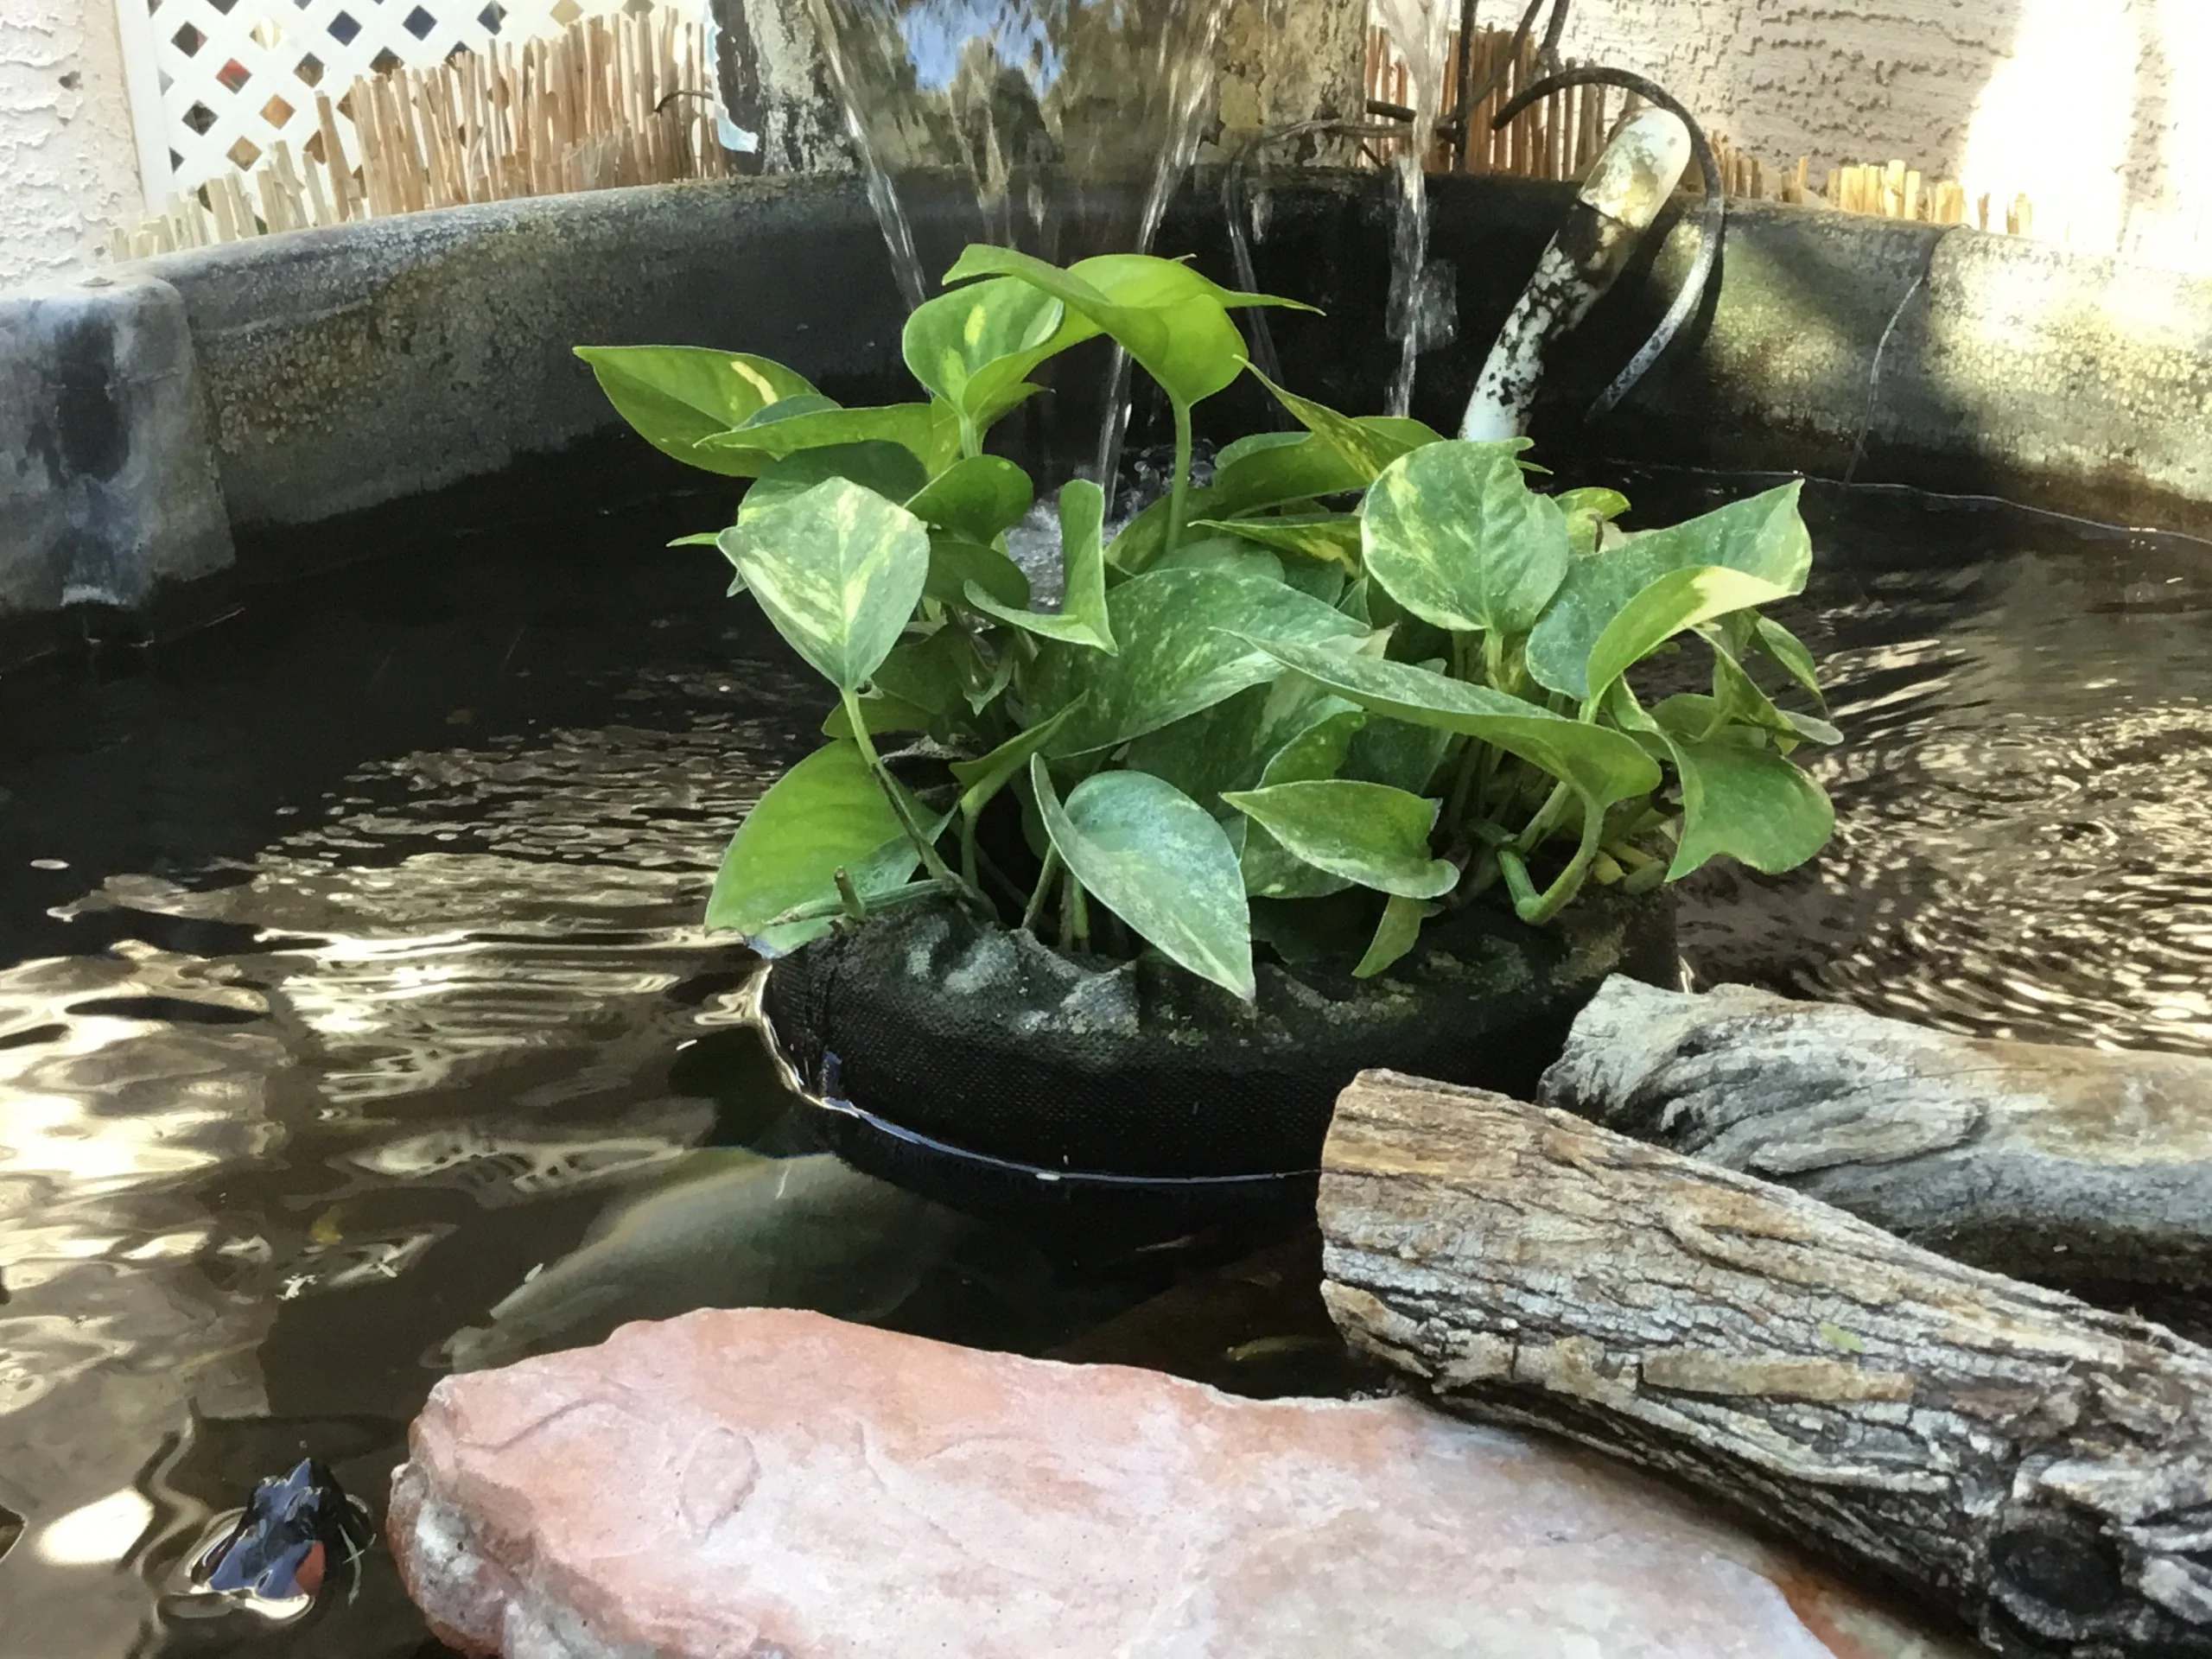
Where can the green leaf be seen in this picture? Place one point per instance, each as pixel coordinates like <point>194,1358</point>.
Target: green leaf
<point>1325,582</point>
<point>1749,804</point>
<point>1156,859</point>
<point>930,431</point>
<point>1762,537</point>
<point>1394,935</point>
<point>1175,656</point>
<point>838,570</point>
<point>1271,870</point>
<point>927,672</point>
<point>982,780</point>
<point>880,713</point>
<point>1788,650</point>
<point>1739,699</point>
<point>1269,469</point>
<point>787,409</point>
<point>1173,321</point>
<point>1680,599</point>
<point>827,813</point>
<point>978,498</point>
<point>1319,750</point>
<point>674,395</point>
<point>1222,553</point>
<point>698,538</point>
<point>1233,743</point>
<point>1332,537</point>
<point>1602,505</point>
<point>1272,469</point>
<point>890,470</point>
<point>956,564</point>
<point>970,346</point>
<point>1366,445</point>
<point>1588,512</point>
<point>916,688</point>
<point>1353,602</point>
<point>1397,752</point>
<point>1601,765</point>
<point>1454,534</point>
<point>1368,833</point>
<point>1083,618</point>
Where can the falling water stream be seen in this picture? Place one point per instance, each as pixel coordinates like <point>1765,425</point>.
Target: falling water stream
<point>1418,30</point>
<point>1058,127</point>
<point>350,966</point>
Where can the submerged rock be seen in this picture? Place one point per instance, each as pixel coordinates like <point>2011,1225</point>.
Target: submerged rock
<point>766,1484</point>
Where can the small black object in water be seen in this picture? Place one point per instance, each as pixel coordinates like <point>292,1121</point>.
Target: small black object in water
<point>278,1554</point>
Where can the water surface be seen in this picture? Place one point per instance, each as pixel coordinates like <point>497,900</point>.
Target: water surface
<point>349,966</point>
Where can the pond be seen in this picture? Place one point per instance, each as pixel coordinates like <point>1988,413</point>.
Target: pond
<point>350,968</point>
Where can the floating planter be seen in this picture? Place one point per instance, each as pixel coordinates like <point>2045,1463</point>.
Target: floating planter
<point>1331,762</point>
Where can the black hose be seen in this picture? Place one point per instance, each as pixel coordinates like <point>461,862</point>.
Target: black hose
<point>1711,219</point>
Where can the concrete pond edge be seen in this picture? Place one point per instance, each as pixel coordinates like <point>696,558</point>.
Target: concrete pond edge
<point>159,414</point>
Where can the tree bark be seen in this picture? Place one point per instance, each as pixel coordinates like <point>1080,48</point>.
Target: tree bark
<point>2041,1467</point>
<point>2069,1167</point>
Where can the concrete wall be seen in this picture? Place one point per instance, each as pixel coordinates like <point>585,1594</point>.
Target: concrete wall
<point>2100,109</point>
<point>345,372</point>
<point>68,169</point>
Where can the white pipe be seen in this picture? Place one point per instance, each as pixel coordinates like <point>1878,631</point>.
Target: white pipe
<point>1615,207</point>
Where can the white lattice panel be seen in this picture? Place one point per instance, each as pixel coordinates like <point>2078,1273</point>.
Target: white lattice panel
<point>215,83</point>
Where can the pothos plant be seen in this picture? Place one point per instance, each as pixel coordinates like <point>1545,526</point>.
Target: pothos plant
<point>1365,674</point>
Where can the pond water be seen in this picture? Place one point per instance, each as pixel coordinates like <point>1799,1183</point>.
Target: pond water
<point>349,968</point>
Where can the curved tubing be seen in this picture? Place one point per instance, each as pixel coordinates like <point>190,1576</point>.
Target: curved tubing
<point>1615,207</point>
<point>1712,218</point>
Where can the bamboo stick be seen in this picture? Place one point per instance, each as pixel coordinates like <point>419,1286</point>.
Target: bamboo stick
<point>318,202</point>
<point>333,156</point>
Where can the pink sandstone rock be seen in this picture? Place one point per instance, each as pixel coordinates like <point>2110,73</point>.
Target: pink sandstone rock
<point>766,1484</point>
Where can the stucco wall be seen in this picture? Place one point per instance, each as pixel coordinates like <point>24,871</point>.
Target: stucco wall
<point>2101,110</point>
<point>68,170</point>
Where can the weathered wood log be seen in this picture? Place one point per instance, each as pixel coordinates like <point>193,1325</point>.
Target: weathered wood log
<point>2042,1467</point>
<point>2070,1167</point>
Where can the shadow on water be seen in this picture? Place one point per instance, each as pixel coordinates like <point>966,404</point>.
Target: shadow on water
<point>354,1015</point>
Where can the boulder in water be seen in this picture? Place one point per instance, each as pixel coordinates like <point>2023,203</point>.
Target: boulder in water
<point>779,1485</point>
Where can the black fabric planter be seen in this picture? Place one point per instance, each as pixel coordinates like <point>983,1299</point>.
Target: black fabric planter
<point>980,1066</point>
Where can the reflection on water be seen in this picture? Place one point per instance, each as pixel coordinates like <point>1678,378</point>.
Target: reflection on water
<point>2022,809</point>
<point>354,1017</point>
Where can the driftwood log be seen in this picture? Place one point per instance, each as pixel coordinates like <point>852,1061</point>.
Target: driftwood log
<point>2070,1166</point>
<point>2042,1467</point>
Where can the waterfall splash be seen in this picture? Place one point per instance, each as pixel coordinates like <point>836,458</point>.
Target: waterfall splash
<point>1418,29</point>
<point>1059,127</point>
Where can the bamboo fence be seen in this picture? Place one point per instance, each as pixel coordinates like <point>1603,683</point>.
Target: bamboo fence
<point>615,99</point>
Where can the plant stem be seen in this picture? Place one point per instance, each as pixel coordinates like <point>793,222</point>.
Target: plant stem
<point>1036,906</point>
<point>967,847</point>
<point>1179,489</point>
<point>824,909</point>
<point>849,896</point>
<point>1006,882</point>
<point>1494,660</point>
<point>900,809</point>
<point>1536,908</point>
<point>1075,916</point>
<point>1547,815</point>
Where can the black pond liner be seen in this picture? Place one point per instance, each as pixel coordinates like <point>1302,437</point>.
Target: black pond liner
<point>980,1068</point>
